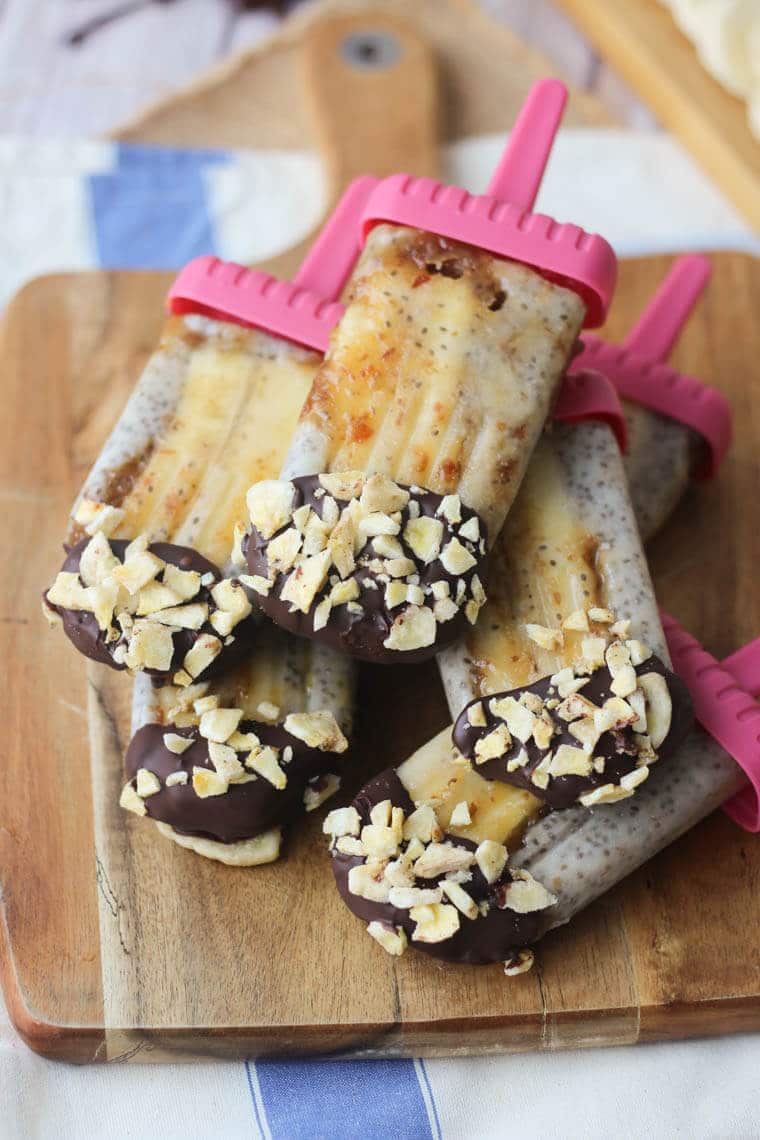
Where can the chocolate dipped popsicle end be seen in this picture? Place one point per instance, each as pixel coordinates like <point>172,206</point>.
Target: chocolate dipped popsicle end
<point>399,872</point>
<point>227,779</point>
<point>588,733</point>
<point>155,607</point>
<point>375,569</point>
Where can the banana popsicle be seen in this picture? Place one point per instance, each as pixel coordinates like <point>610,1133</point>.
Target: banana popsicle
<point>461,317</point>
<point>678,428</point>
<point>153,587</point>
<point>567,568</point>
<point>562,693</point>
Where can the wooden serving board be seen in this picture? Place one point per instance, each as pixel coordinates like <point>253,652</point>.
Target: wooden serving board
<point>115,944</point>
<point>641,39</point>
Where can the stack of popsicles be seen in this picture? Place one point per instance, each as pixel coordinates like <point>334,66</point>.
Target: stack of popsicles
<point>433,470</point>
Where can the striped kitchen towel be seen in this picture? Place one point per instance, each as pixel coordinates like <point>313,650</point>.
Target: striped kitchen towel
<point>79,204</point>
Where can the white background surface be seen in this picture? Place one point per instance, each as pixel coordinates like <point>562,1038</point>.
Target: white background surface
<point>696,1090</point>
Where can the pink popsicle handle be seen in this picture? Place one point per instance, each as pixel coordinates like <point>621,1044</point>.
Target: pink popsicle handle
<point>329,262</point>
<point>659,326</point>
<point>588,395</point>
<point>744,666</point>
<point>304,310</point>
<point>726,711</point>
<point>518,176</point>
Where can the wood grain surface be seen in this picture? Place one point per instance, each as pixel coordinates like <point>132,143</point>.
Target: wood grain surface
<point>640,39</point>
<point>117,945</point>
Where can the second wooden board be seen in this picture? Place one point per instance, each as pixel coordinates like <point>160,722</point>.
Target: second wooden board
<point>640,39</point>
<point>116,945</point>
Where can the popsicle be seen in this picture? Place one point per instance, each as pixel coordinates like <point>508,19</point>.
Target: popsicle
<point>562,692</point>
<point>542,719</point>
<point>218,768</point>
<point>461,317</point>
<point>678,428</point>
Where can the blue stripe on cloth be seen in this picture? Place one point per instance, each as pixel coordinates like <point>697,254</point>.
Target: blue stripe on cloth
<point>131,156</point>
<point>342,1100</point>
<point>150,218</point>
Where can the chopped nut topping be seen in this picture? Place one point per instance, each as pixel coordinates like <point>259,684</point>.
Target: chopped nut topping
<point>206,649</point>
<point>315,795</point>
<point>404,898</point>
<point>460,816</point>
<point>440,858</point>
<point>344,484</point>
<point>97,517</point>
<point>265,763</point>
<point>424,535</point>
<point>347,845</point>
<point>577,620</point>
<point>131,801</point>
<point>150,646</point>
<point>456,558</point>
<point>601,615</point>
<point>176,744</point>
<point>491,858</point>
<point>451,509</point>
<point>366,880</point>
<point>495,744</point>
<point>476,715</point>
<point>415,628</point>
<point>269,505</point>
<point>175,779</point>
<point>520,963</point>
<point>391,938</point>
<point>569,761</point>
<point>659,707</point>
<point>457,895</point>
<point>525,894</point>
<point>147,783</point>
<point>436,922</point>
<point>470,530</point>
<point>219,724</point>
<point>306,581</point>
<point>342,821</point>
<point>317,730</point>
<point>422,824</point>
<point>519,720</point>
<point>208,783</point>
<point>544,637</point>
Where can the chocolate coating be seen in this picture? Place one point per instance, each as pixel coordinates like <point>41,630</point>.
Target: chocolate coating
<point>244,810</point>
<point>495,937</point>
<point>362,635</point>
<point>83,631</point>
<point>617,746</point>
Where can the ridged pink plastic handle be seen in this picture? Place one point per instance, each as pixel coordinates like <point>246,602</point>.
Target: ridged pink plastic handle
<point>305,310</point>
<point>498,221</point>
<point>725,709</point>
<point>637,370</point>
<point>589,395</point>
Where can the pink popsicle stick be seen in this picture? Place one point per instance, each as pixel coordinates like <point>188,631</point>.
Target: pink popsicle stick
<point>304,310</point>
<point>660,325</point>
<point>637,368</point>
<point>725,708</point>
<point>329,262</point>
<point>521,168</point>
